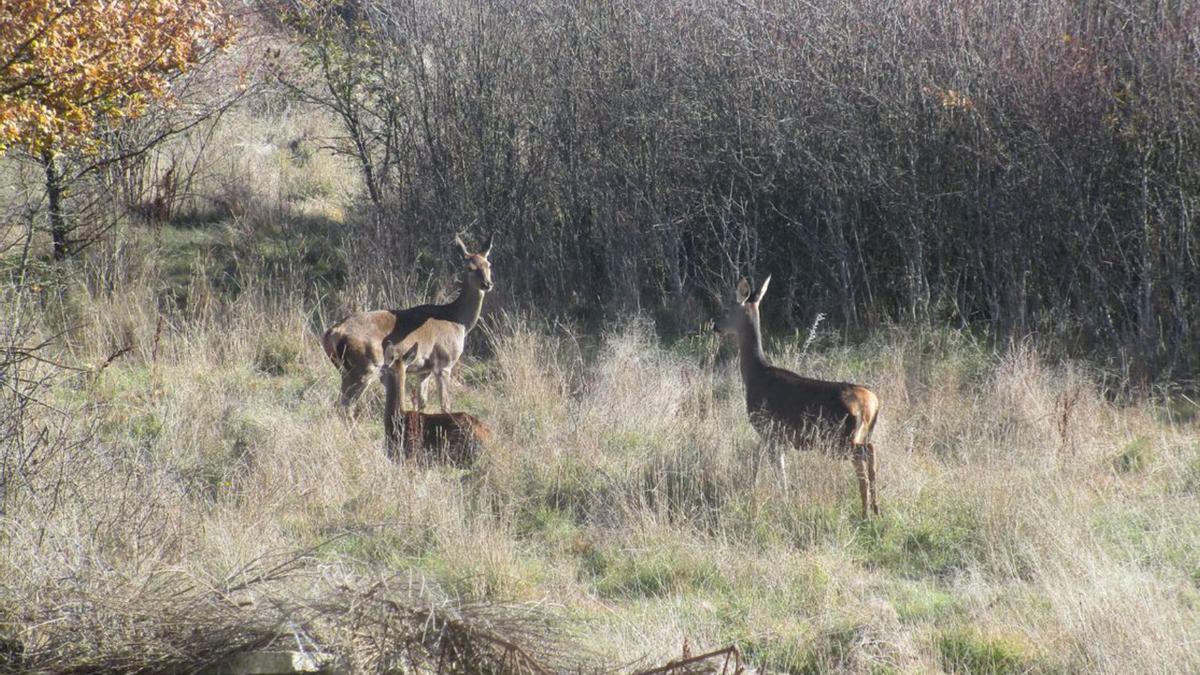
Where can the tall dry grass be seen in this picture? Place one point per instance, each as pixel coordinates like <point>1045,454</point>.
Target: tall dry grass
<point>1033,521</point>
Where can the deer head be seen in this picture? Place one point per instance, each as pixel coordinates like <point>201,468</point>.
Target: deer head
<point>741,308</point>
<point>477,270</point>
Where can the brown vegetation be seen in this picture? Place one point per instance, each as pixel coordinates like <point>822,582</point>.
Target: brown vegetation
<point>926,161</point>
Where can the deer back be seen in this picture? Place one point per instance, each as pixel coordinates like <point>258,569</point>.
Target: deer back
<point>782,398</point>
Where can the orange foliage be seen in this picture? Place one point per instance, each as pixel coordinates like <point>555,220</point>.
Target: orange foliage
<point>64,64</point>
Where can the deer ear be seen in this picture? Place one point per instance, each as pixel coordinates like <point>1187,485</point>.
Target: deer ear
<point>487,248</point>
<point>758,296</point>
<point>459,247</point>
<point>743,291</point>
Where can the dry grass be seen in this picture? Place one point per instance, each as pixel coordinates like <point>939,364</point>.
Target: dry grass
<point>1033,521</point>
<point>619,498</point>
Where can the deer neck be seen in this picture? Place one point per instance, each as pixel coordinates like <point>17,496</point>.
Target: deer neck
<point>753,361</point>
<point>466,307</point>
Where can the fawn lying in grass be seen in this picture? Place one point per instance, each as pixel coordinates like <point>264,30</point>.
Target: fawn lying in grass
<point>450,437</point>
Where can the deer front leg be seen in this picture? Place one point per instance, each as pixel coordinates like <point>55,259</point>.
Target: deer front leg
<point>756,454</point>
<point>423,397</point>
<point>399,372</point>
<point>393,408</point>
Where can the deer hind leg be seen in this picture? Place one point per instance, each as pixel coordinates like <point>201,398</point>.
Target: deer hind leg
<point>783,467</point>
<point>872,469</point>
<point>779,440</point>
<point>864,482</point>
<point>414,436</point>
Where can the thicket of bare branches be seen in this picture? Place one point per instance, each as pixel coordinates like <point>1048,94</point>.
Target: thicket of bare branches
<point>929,160</point>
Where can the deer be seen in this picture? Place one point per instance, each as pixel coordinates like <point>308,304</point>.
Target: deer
<point>366,343</point>
<point>784,406</point>
<point>454,437</point>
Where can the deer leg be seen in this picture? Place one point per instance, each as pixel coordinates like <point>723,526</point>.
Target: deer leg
<point>860,470</point>
<point>414,436</point>
<point>872,469</point>
<point>393,383</point>
<point>399,372</point>
<point>783,467</point>
<point>354,380</point>
<point>755,458</point>
<point>424,390</point>
<point>443,385</point>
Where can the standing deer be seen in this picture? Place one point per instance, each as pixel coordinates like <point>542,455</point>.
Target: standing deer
<point>366,343</point>
<point>785,406</point>
<point>451,437</point>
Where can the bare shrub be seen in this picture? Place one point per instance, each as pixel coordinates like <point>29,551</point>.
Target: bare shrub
<point>921,162</point>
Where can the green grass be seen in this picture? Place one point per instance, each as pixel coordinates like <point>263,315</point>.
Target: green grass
<point>916,602</point>
<point>1155,536</point>
<point>235,257</point>
<point>1135,457</point>
<point>1181,410</point>
<point>278,354</point>
<point>647,571</point>
<point>968,650</point>
<point>933,538</point>
<point>805,650</point>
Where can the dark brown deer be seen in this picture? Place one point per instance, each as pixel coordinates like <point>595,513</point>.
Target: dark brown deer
<point>784,406</point>
<point>365,344</point>
<point>453,438</point>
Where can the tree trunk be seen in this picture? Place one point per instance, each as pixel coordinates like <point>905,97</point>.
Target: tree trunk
<point>55,192</point>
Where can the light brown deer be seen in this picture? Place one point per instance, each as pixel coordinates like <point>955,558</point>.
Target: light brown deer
<point>784,406</point>
<point>365,344</point>
<point>454,438</point>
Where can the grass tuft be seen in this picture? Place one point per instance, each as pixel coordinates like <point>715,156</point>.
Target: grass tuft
<point>971,651</point>
<point>1135,457</point>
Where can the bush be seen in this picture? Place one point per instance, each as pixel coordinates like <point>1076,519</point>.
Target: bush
<point>916,161</point>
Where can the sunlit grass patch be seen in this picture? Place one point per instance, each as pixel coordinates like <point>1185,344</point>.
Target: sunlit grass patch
<point>969,650</point>
<point>645,569</point>
<point>931,537</point>
<point>1135,457</point>
<point>923,601</point>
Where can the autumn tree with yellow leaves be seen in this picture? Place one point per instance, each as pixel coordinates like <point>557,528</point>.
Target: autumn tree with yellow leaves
<point>69,68</point>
